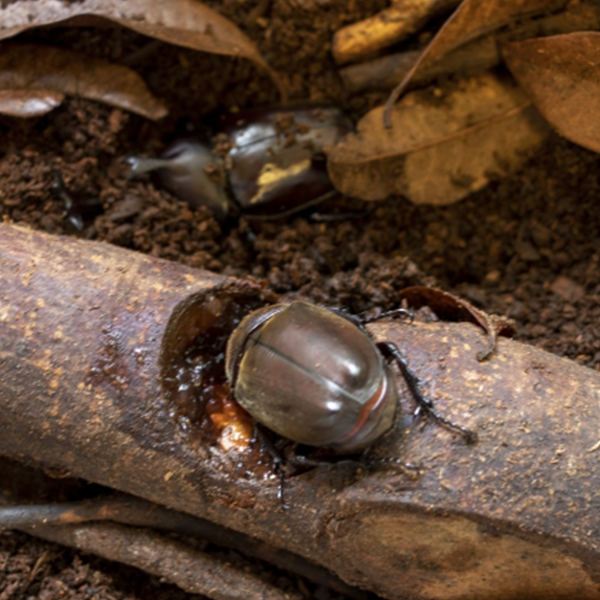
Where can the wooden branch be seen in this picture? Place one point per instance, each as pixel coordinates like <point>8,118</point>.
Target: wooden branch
<point>192,570</point>
<point>386,72</point>
<point>86,328</point>
<point>43,519</point>
<point>392,25</point>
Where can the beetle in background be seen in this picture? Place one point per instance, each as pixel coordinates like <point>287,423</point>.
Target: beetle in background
<point>316,377</point>
<point>275,165</point>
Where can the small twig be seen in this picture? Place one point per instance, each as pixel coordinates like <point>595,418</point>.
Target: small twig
<point>134,511</point>
<point>385,72</point>
<point>43,558</point>
<point>192,570</point>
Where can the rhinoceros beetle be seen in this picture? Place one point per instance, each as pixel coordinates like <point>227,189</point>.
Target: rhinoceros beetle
<point>274,165</point>
<point>315,376</point>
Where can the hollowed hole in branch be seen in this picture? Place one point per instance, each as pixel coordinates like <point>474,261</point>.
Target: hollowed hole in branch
<point>193,365</point>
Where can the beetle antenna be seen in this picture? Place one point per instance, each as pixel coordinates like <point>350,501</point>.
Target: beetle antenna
<point>389,314</point>
<point>391,351</point>
<point>360,320</point>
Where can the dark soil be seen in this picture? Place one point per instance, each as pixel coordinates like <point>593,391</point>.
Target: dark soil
<point>526,247</point>
<point>32,568</point>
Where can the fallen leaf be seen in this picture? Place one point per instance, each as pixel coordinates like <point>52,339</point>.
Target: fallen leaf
<point>449,307</point>
<point>561,75</point>
<point>470,20</point>
<point>480,54</point>
<point>187,23</point>
<point>33,79</point>
<point>29,103</point>
<point>440,149</point>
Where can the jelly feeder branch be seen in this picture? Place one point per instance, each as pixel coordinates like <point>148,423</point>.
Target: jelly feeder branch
<point>90,339</point>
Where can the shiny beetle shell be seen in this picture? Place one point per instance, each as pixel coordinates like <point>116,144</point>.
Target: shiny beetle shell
<point>275,167</point>
<point>278,168</point>
<point>312,376</point>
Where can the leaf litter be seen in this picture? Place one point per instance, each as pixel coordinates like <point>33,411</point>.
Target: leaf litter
<point>561,75</point>
<point>440,149</point>
<point>440,154</point>
<point>186,23</point>
<point>472,19</point>
<point>35,78</point>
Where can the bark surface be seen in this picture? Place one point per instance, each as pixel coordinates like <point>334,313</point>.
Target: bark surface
<point>85,329</point>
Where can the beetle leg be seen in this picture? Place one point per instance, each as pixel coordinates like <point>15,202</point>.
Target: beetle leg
<point>278,460</point>
<point>74,209</point>
<point>292,211</point>
<point>361,321</point>
<point>357,321</point>
<point>391,351</point>
<point>325,218</point>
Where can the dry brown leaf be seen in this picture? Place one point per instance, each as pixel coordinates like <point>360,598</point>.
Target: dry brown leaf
<point>29,103</point>
<point>472,19</point>
<point>439,149</point>
<point>34,77</point>
<point>187,23</point>
<point>561,75</point>
<point>449,307</point>
<point>478,55</point>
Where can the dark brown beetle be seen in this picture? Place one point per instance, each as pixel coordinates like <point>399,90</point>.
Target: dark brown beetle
<point>316,377</point>
<point>275,167</point>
